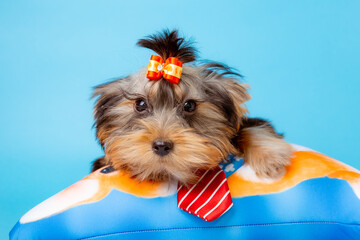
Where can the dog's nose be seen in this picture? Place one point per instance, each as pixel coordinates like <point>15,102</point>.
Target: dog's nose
<point>162,148</point>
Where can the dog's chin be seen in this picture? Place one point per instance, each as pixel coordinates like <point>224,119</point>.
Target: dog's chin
<point>166,168</point>
<point>181,164</point>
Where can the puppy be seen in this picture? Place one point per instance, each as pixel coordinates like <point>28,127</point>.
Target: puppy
<point>161,131</point>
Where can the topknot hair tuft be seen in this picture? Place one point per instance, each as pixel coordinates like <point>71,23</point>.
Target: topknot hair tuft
<point>169,44</point>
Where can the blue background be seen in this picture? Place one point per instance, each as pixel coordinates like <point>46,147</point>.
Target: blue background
<point>300,57</point>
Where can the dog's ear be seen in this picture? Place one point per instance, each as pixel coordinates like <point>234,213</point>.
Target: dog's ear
<point>224,89</point>
<point>238,94</point>
<point>108,95</point>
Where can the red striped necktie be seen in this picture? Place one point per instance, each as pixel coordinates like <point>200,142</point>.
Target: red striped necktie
<point>209,198</point>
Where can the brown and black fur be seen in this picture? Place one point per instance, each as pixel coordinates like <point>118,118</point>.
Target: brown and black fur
<point>201,139</point>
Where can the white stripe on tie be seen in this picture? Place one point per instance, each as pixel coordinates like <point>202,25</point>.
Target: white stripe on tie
<point>204,189</point>
<point>227,193</point>
<point>227,209</point>
<point>192,188</point>
<point>212,195</point>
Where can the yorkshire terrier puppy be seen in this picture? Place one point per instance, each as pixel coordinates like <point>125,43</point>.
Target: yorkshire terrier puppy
<point>161,131</point>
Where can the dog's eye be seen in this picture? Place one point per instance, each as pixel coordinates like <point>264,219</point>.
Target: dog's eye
<point>140,105</point>
<point>189,106</point>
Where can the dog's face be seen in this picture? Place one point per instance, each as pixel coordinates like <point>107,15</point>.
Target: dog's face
<point>159,131</point>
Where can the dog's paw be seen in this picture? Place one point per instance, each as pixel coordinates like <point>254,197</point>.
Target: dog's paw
<point>266,153</point>
<point>269,158</point>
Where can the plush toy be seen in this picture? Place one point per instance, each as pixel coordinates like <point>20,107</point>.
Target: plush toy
<point>318,198</point>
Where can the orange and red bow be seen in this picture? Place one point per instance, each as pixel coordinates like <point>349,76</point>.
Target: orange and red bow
<point>170,71</point>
